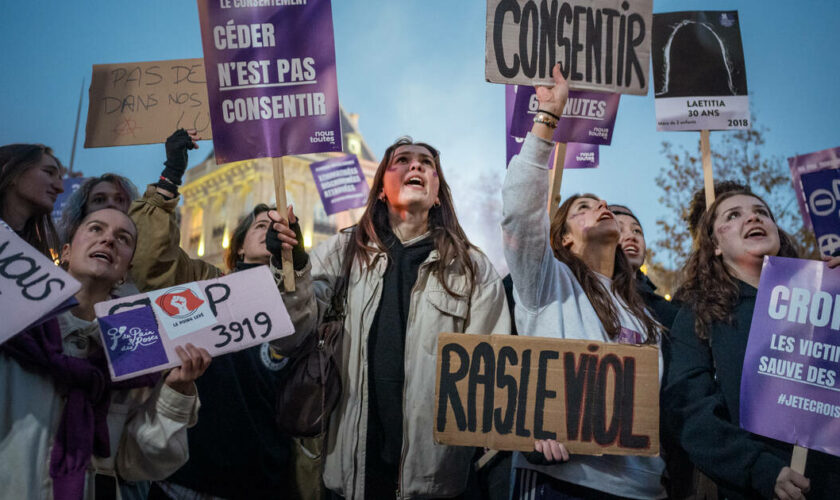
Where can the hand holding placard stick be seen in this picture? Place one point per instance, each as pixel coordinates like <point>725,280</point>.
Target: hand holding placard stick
<point>280,196</point>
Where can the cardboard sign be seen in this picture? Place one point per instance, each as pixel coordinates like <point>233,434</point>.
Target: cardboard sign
<point>32,287</point>
<point>589,117</point>
<point>143,103</point>
<point>503,392</point>
<point>811,162</point>
<point>601,45</point>
<point>790,384</point>
<point>699,76</point>
<point>822,190</point>
<point>222,315</point>
<point>70,185</point>
<point>271,78</point>
<point>341,183</point>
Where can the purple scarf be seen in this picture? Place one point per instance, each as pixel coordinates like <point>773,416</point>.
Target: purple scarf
<point>83,428</point>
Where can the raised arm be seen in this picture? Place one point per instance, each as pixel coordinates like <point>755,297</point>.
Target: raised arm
<point>525,223</point>
<point>159,261</point>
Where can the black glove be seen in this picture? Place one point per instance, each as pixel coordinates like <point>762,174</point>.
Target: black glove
<point>273,244</point>
<point>177,145</point>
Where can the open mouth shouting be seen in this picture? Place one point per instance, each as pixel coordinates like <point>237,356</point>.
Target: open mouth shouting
<point>755,232</point>
<point>103,256</point>
<point>415,181</point>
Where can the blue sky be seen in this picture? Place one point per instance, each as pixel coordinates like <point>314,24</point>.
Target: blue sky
<point>416,67</point>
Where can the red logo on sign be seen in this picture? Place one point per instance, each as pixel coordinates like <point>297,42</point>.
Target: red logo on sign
<point>179,303</point>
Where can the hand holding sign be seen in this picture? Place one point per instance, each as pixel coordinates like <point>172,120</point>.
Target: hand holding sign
<point>553,99</point>
<point>194,362</point>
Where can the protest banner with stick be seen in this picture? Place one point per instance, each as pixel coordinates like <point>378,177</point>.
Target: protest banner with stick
<point>556,179</point>
<point>272,86</point>
<point>708,178</point>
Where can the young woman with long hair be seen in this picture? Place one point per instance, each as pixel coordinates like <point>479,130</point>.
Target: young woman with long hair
<point>67,430</point>
<point>702,387</point>
<point>571,280</point>
<point>30,181</point>
<point>412,274</point>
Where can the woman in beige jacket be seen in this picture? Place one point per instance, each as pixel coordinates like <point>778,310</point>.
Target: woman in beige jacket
<point>66,430</point>
<point>412,275</point>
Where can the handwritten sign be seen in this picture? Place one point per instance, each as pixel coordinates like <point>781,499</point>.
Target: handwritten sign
<point>822,190</point>
<point>811,162</point>
<point>700,79</point>
<point>222,315</point>
<point>790,387</point>
<point>589,117</point>
<point>503,392</point>
<point>602,45</point>
<point>143,103</point>
<point>341,183</point>
<point>32,287</point>
<point>271,78</point>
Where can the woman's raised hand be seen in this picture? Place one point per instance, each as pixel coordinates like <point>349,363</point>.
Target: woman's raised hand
<point>553,99</point>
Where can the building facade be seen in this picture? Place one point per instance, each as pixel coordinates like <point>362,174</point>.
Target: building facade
<point>215,197</point>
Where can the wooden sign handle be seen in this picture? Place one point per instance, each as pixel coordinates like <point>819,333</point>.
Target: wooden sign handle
<point>280,196</point>
<point>557,179</point>
<point>798,459</point>
<point>708,180</point>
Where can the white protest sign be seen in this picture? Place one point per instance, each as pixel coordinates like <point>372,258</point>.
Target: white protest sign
<point>222,315</point>
<point>32,287</point>
<point>601,45</point>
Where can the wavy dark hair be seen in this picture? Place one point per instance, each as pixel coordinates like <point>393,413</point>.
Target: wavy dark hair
<point>237,239</point>
<point>709,289</point>
<point>15,159</point>
<point>623,279</point>
<point>449,238</point>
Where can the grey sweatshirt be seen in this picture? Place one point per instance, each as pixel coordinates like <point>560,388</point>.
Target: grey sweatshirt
<point>550,302</point>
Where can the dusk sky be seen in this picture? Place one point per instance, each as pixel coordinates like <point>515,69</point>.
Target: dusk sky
<point>416,67</point>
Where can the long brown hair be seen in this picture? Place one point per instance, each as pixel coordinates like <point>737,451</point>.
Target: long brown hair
<point>709,289</point>
<point>623,279</point>
<point>449,238</point>
<point>15,159</point>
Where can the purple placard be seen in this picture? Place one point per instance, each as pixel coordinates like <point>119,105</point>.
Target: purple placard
<point>589,117</point>
<point>70,184</point>
<point>132,341</point>
<point>341,183</point>
<point>513,144</point>
<point>271,79</point>
<point>822,193</point>
<point>790,384</point>
<point>812,162</point>
<point>581,155</point>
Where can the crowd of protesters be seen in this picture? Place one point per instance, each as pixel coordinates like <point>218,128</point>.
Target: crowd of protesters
<point>404,273</point>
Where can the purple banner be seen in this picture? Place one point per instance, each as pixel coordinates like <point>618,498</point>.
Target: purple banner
<point>132,341</point>
<point>581,155</point>
<point>513,144</point>
<point>589,117</point>
<point>822,193</point>
<point>790,384</point>
<point>341,183</point>
<point>271,79</point>
<point>71,184</point>
<point>812,162</point>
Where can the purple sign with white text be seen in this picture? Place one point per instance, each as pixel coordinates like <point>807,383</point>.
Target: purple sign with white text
<point>132,341</point>
<point>341,183</point>
<point>271,78</point>
<point>812,162</point>
<point>581,155</point>
<point>790,384</point>
<point>589,117</point>
<point>822,192</point>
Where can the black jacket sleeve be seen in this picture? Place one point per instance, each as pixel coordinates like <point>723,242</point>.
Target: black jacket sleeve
<point>697,412</point>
